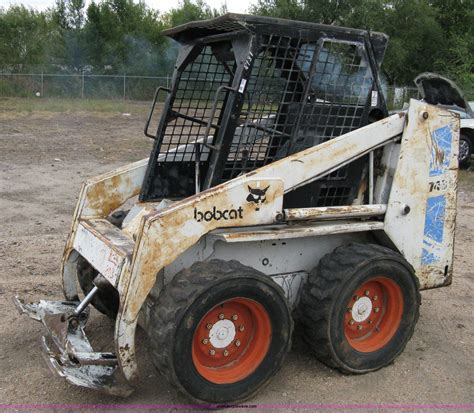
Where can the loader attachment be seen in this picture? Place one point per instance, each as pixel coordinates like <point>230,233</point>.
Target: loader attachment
<point>71,355</point>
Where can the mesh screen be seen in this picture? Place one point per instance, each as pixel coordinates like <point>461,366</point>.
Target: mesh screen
<point>333,196</point>
<point>191,109</point>
<point>277,122</point>
<point>299,94</point>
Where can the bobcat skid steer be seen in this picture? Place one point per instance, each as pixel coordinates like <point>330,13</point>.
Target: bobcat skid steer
<point>277,187</point>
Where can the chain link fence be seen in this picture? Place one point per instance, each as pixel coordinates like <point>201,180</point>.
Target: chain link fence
<point>139,88</point>
<point>83,86</point>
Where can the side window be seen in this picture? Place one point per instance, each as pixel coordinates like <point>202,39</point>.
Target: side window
<point>342,73</point>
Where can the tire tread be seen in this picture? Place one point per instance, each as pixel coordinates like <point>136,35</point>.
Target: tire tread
<point>323,284</point>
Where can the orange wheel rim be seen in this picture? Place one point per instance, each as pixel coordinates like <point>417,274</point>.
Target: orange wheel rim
<point>373,314</point>
<point>231,340</point>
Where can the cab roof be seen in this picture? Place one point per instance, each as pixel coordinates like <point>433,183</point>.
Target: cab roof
<point>232,22</point>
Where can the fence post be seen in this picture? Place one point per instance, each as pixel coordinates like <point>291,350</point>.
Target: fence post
<point>82,85</point>
<point>42,82</point>
<point>124,85</point>
<point>167,82</point>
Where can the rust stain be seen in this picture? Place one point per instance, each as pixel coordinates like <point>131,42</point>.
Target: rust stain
<point>105,196</point>
<point>439,155</point>
<point>167,233</point>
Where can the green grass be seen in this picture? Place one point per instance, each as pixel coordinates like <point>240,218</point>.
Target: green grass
<point>72,105</point>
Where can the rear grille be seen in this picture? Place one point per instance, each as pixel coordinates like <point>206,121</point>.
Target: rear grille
<point>332,196</point>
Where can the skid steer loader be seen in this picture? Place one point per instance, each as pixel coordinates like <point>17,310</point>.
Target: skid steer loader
<point>277,187</point>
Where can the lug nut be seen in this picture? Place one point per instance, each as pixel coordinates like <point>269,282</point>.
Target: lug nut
<point>376,309</point>
<point>237,343</point>
<point>204,341</point>
<point>221,316</point>
<point>235,317</point>
<point>356,297</point>
<point>351,322</point>
<point>212,352</point>
<point>359,327</point>
<point>208,326</point>
<point>369,321</point>
<point>374,298</point>
<point>241,328</point>
<point>349,309</point>
<point>367,292</point>
<point>226,353</point>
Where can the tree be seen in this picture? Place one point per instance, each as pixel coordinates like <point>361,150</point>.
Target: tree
<point>188,11</point>
<point>24,35</point>
<point>69,17</point>
<point>416,37</point>
<point>457,61</point>
<point>338,12</point>
<point>122,36</point>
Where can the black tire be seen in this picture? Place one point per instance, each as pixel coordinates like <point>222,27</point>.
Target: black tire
<point>180,310</point>
<point>465,151</point>
<point>106,300</point>
<point>328,320</point>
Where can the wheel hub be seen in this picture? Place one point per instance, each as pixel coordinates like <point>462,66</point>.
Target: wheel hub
<point>231,340</point>
<point>222,333</point>
<point>373,314</point>
<point>362,309</point>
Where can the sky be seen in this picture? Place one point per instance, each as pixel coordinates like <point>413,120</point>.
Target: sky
<point>235,6</point>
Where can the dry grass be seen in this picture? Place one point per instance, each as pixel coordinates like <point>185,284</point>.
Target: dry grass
<point>72,105</point>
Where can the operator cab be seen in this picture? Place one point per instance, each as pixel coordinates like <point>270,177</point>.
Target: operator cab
<point>247,91</point>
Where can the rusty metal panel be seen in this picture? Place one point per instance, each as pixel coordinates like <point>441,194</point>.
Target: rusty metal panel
<point>313,163</point>
<point>254,199</point>
<point>105,193</point>
<point>421,211</point>
<point>300,231</point>
<point>167,233</point>
<point>335,212</point>
<point>104,247</point>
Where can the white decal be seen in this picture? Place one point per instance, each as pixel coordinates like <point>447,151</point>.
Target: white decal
<point>375,98</point>
<point>243,82</point>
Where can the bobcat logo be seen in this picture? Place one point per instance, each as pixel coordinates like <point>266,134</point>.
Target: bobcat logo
<point>257,196</point>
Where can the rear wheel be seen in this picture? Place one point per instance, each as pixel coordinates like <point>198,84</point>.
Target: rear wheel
<point>219,331</point>
<point>359,307</point>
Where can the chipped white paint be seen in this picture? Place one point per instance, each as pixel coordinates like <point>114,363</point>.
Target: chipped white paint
<point>160,236</point>
<point>157,240</point>
<point>422,206</point>
<point>335,212</point>
<point>103,257</point>
<point>300,231</point>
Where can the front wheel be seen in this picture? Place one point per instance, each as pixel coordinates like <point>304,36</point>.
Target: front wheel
<point>465,152</point>
<point>359,307</point>
<point>219,331</point>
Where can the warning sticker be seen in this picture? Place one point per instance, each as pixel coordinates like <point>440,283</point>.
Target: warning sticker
<point>243,82</point>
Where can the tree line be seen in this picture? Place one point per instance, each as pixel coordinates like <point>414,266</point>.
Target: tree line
<point>120,36</point>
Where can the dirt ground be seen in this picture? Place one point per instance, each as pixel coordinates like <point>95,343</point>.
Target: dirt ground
<point>44,158</point>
